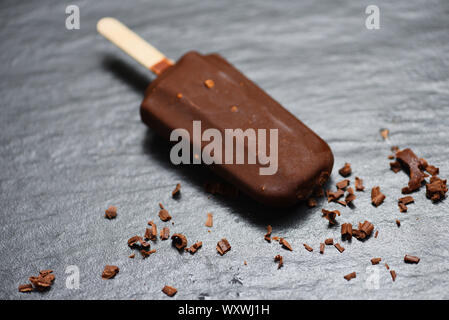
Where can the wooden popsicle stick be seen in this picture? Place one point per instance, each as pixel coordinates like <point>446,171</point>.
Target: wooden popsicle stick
<point>134,45</point>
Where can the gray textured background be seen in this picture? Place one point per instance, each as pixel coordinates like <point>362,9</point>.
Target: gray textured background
<point>71,144</point>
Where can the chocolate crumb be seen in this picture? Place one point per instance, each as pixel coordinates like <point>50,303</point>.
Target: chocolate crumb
<point>109,272</point>
<point>359,184</point>
<point>245,263</point>
<point>339,247</point>
<point>285,244</point>
<point>375,260</point>
<point>267,236</point>
<point>223,246</point>
<point>177,191</point>
<point>329,241</point>
<point>209,221</point>
<point>161,206</point>
<point>377,197</point>
<point>436,189</point>
<point>345,170</point>
<point>322,246</point>
<point>330,215</point>
<point>279,259</point>
<point>165,233</point>
<point>398,222</point>
<point>194,248</point>
<point>376,234</point>
<point>209,83</point>
<point>350,276</point>
<point>402,207</point>
<point>169,291</point>
<point>387,266</point>
<point>179,241</point>
<point>411,259</point>
<point>111,212</point>
<point>308,248</point>
<point>391,157</point>
<point>26,287</point>
<point>346,231</point>
<point>342,184</point>
<point>393,275</point>
<point>164,215</point>
<point>132,256</point>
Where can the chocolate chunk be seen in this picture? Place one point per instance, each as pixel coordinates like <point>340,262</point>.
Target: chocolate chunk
<point>209,221</point>
<point>177,191</point>
<point>342,184</point>
<point>111,212</point>
<point>436,189</point>
<point>223,246</point>
<point>411,259</point>
<point>322,248</point>
<point>346,231</point>
<point>308,248</point>
<point>194,248</point>
<point>384,133</point>
<point>268,234</point>
<point>169,291</point>
<point>334,196</point>
<point>329,241</point>
<point>330,215</point>
<point>209,83</point>
<point>393,275</point>
<point>164,215</point>
<point>165,233</point>
<point>147,253</point>
<point>279,259</point>
<point>339,247</point>
<point>311,202</point>
<point>285,244</point>
<point>395,166</point>
<point>350,196</point>
<point>411,163</point>
<point>359,184</point>
<point>377,197</point>
<point>109,272</point>
<point>350,276</point>
<point>179,241</point>
<point>133,241</point>
<point>398,223</point>
<point>345,170</point>
<point>26,287</point>
<point>375,260</point>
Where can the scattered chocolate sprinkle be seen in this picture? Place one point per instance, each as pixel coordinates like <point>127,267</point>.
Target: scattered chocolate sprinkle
<point>411,259</point>
<point>377,197</point>
<point>436,189</point>
<point>406,199</point>
<point>209,83</point>
<point>194,248</point>
<point>147,253</point>
<point>132,256</point>
<point>179,241</point>
<point>350,196</point>
<point>161,206</point>
<point>308,248</point>
<point>285,244</point>
<point>329,241</point>
<point>393,275</point>
<point>311,202</point>
<point>330,215</point>
<point>209,221</point>
<point>177,191</point>
<point>165,233</point>
<point>223,246</point>
<point>402,207</point>
<point>164,215</point>
<point>280,259</point>
<point>411,163</point>
<point>342,184</point>
<point>268,234</point>
<point>339,247</point>
<point>384,133</point>
<point>275,238</point>
<point>398,222</point>
<point>109,272</point>
<point>346,231</point>
<point>364,231</point>
<point>322,246</point>
<point>151,233</point>
<point>376,260</point>
<point>111,212</point>
<point>26,287</point>
<point>387,266</point>
<point>345,170</point>
<point>376,234</point>
<point>350,276</point>
<point>133,241</point>
<point>395,166</point>
<point>359,184</point>
<point>169,291</point>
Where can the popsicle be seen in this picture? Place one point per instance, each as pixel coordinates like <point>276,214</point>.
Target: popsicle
<point>208,90</point>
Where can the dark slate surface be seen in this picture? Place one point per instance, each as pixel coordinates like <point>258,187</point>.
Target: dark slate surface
<point>72,143</point>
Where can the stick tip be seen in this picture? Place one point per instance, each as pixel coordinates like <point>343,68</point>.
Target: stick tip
<point>104,23</point>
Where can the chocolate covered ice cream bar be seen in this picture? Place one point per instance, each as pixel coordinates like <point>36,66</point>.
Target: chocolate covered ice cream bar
<point>203,98</point>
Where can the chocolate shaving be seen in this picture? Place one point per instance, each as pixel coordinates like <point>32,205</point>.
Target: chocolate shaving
<point>393,275</point>
<point>402,202</point>
<point>436,189</point>
<point>164,215</point>
<point>110,212</point>
<point>339,247</point>
<point>177,191</point>
<point>350,196</point>
<point>151,233</point>
<point>209,221</point>
<point>330,215</point>
<point>411,164</point>
<point>411,259</point>
<point>268,234</point>
<point>350,276</point>
<point>194,248</point>
<point>223,246</point>
<point>285,244</point>
<point>322,246</point>
<point>364,231</point>
<point>109,272</point>
<point>377,197</point>
<point>329,241</point>
<point>279,259</point>
<point>376,260</point>
<point>169,291</point>
<point>179,241</point>
<point>165,233</point>
<point>342,184</point>
<point>132,242</point>
<point>346,231</point>
<point>308,248</point>
<point>26,287</point>
<point>345,170</point>
<point>147,253</point>
<point>359,184</point>
<point>334,196</point>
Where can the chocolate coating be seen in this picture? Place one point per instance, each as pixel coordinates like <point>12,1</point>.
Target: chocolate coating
<point>179,96</point>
